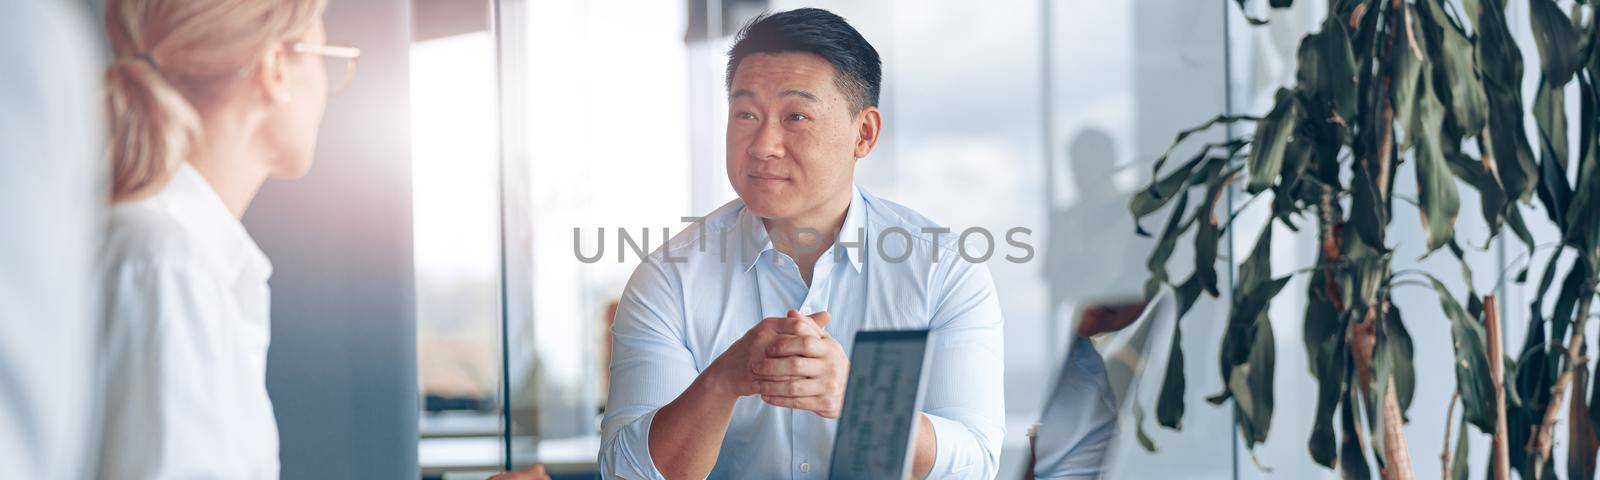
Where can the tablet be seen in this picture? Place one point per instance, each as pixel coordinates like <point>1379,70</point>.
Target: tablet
<point>888,371</point>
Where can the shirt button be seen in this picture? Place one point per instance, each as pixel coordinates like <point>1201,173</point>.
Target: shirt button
<point>781,261</point>
<point>805,467</point>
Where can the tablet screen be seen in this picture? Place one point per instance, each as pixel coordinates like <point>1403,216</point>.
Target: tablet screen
<point>882,397</point>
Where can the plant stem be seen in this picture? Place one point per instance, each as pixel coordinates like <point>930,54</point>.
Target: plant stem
<point>1449,421</point>
<point>1580,430</point>
<point>1500,462</point>
<point>1396,454</point>
<point>1399,466</point>
<point>1543,438</point>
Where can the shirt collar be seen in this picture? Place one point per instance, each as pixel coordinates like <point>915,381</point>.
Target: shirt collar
<point>752,238</point>
<point>852,234</point>
<point>222,239</point>
<point>754,241</point>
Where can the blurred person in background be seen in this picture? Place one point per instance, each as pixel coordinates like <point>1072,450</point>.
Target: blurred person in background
<point>207,99</point>
<point>52,218</point>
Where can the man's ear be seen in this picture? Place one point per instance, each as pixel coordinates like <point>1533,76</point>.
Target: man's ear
<point>869,124</point>
<point>272,74</point>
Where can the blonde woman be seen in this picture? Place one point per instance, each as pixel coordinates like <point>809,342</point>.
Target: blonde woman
<point>207,99</point>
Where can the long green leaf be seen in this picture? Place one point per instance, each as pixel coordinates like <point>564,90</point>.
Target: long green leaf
<point>1472,362</point>
<point>1272,138</point>
<point>1186,133</point>
<point>1238,340</point>
<point>1322,331</point>
<point>1169,402</point>
<point>1367,213</point>
<point>1501,66</point>
<point>1257,268</point>
<point>1157,263</point>
<point>1327,68</point>
<point>1454,62</point>
<point>1436,187</point>
<point>1330,356</point>
<point>1162,191</point>
<point>1352,460</point>
<point>1208,232</point>
<point>1258,380</point>
<point>1192,172</point>
<point>1550,116</point>
<point>1407,81</point>
<point>1583,224</point>
<point>1399,347</point>
<point>1492,200</point>
<point>1559,55</point>
<point>1138,430</point>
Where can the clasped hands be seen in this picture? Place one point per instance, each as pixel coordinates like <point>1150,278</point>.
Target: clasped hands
<point>790,362</point>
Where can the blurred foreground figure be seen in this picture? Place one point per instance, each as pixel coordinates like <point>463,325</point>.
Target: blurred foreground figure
<point>51,219</point>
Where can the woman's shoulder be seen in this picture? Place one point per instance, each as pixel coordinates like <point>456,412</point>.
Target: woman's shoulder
<point>144,234</point>
<point>152,270</point>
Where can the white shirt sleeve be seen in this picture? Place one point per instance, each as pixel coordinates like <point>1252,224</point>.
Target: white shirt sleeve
<point>965,396</point>
<point>52,219</point>
<point>164,401</point>
<point>650,367</point>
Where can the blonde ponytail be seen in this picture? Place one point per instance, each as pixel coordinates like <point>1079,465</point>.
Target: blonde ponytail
<point>171,56</point>
<point>152,126</point>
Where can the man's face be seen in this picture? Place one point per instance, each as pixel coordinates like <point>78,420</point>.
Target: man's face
<point>792,138</point>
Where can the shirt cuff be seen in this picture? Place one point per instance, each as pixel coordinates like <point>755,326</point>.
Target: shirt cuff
<point>627,453</point>
<point>949,460</point>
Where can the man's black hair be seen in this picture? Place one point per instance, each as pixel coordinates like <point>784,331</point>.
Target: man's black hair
<point>857,70</point>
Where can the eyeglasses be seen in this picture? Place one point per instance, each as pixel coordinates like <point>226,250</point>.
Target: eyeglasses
<point>338,62</point>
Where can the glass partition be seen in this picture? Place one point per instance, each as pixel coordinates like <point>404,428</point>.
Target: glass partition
<point>456,205</point>
<point>1044,116</point>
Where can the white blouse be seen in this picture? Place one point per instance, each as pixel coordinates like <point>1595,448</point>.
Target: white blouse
<point>186,341</point>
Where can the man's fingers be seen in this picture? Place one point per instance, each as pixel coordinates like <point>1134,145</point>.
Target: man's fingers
<point>795,323</point>
<point>822,319</point>
<point>798,366</point>
<point>798,325</point>
<point>792,345</point>
<point>773,378</point>
<point>773,322</point>
<point>804,387</point>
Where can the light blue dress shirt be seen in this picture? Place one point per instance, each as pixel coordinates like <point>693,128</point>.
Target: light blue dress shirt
<point>689,300</point>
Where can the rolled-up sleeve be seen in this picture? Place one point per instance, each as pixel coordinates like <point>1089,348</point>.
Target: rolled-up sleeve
<point>650,366</point>
<point>965,396</point>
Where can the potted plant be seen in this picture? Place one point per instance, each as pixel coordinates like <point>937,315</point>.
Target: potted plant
<point>1386,83</point>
